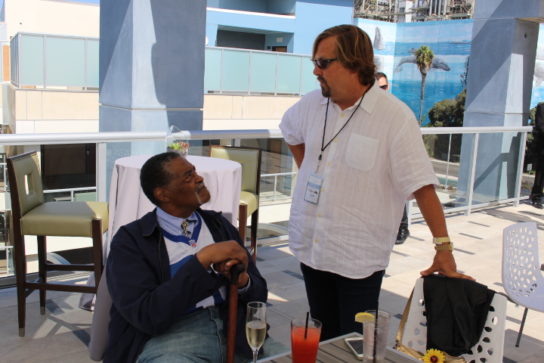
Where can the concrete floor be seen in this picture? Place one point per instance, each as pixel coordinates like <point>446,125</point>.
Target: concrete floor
<point>63,332</point>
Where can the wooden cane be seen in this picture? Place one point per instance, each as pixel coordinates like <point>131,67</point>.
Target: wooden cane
<point>235,272</point>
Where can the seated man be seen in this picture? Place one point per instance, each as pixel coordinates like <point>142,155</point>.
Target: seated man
<point>168,273</point>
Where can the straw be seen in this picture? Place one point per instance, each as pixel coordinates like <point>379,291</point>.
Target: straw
<point>306,325</point>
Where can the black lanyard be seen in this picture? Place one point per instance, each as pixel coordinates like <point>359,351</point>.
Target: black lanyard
<point>323,145</point>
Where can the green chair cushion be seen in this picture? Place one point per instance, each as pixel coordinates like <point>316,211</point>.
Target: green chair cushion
<point>251,200</point>
<point>64,219</point>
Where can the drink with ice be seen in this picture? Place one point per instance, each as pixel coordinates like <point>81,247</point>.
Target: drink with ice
<point>380,335</point>
<point>304,343</point>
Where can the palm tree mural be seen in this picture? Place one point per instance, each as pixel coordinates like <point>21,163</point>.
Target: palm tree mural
<point>424,60</point>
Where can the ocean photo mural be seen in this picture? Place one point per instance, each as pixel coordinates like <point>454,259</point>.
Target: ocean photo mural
<point>449,41</point>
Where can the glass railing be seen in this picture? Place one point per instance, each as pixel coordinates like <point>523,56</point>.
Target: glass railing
<point>50,61</point>
<point>456,154</point>
<point>231,70</point>
<point>58,62</point>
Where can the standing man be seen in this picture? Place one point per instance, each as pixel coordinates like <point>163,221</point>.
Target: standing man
<point>403,232</point>
<point>361,156</point>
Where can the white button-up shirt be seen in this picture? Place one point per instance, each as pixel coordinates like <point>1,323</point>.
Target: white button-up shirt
<point>369,171</point>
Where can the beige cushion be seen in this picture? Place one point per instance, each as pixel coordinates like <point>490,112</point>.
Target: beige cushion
<point>64,219</point>
<point>248,158</point>
<point>251,200</point>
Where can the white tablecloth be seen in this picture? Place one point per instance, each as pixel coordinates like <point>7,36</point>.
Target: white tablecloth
<point>127,201</point>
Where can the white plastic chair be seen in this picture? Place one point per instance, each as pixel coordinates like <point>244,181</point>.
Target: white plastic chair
<point>521,275</point>
<point>491,344</point>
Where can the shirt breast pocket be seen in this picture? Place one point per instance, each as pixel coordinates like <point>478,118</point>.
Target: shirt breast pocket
<point>361,152</point>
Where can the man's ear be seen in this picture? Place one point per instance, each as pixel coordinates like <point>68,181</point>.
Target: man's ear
<point>161,194</point>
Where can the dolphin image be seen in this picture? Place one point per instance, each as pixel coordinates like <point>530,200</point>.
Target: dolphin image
<point>437,63</point>
<point>378,40</point>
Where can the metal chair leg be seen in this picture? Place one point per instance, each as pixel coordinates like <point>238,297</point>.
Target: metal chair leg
<point>254,227</point>
<point>42,270</point>
<point>242,222</point>
<point>96,226</point>
<point>20,276</point>
<point>521,327</point>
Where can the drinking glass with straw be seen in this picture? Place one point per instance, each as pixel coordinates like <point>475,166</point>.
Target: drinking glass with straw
<point>255,326</point>
<point>305,333</point>
<point>375,332</point>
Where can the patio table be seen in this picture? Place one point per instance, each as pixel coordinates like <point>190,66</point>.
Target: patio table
<point>336,350</point>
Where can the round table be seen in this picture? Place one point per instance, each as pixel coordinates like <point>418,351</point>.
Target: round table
<point>127,201</point>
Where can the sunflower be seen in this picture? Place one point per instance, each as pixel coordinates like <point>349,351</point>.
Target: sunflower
<point>434,356</point>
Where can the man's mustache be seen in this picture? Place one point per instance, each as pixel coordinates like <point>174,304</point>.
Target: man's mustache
<point>200,186</point>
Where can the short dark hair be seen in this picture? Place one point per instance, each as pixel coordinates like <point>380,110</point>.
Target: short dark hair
<point>154,175</point>
<point>354,50</point>
<point>379,75</point>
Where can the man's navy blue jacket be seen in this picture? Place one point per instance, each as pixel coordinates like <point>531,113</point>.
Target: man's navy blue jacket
<point>147,300</point>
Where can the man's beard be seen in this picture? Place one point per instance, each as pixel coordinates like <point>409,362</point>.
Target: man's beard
<point>325,90</point>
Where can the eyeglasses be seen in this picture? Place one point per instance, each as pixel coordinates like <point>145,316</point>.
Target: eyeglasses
<point>323,63</point>
<point>384,86</point>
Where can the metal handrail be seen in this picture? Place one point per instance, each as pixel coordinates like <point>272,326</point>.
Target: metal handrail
<point>129,136</point>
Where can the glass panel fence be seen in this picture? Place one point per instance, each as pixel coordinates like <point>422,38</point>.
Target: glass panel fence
<point>65,60</point>
<point>263,72</point>
<point>234,70</point>
<point>212,70</point>
<point>54,61</point>
<point>31,60</point>
<point>497,163</point>
<point>91,65</point>
<point>289,71</point>
<point>40,61</point>
<point>497,167</point>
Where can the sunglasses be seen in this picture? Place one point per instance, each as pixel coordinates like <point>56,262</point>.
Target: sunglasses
<point>323,63</point>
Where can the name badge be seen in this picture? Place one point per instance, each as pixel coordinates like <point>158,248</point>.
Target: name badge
<point>313,188</point>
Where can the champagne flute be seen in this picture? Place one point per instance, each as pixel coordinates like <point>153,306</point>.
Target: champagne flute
<point>256,326</point>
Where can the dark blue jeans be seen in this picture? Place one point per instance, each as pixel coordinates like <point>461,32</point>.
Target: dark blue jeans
<point>334,299</point>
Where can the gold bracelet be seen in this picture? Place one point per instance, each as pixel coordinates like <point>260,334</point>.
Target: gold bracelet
<point>441,240</point>
<point>444,247</point>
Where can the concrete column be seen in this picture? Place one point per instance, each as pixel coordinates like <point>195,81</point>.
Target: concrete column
<point>500,74</point>
<point>151,68</point>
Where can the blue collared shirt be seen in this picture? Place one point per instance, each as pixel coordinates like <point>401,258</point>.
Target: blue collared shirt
<point>172,224</point>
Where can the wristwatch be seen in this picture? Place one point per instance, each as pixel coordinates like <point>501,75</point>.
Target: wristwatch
<point>444,247</point>
<point>442,244</point>
<point>441,240</point>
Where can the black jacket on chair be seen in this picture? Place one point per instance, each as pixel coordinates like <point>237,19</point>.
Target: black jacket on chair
<point>456,311</point>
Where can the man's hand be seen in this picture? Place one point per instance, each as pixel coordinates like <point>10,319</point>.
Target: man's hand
<point>444,264</point>
<point>223,256</point>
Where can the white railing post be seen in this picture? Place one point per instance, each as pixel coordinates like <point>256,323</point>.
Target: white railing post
<point>101,172</point>
<point>519,171</point>
<point>472,174</point>
<point>275,186</point>
<point>448,163</point>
